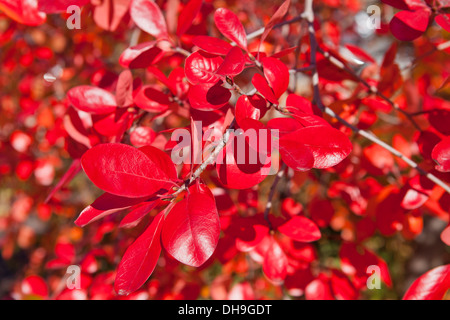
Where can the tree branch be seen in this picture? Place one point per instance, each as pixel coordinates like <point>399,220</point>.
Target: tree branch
<point>310,18</point>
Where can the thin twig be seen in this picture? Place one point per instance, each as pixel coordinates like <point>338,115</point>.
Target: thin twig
<point>272,193</point>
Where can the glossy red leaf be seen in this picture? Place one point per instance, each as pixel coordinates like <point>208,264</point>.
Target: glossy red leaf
<point>192,228</point>
<point>277,75</point>
<point>301,229</point>
<point>441,154</point>
<point>187,16</point>
<point>409,25</point>
<point>212,45</point>
<point>249,108</point>
<point>140,259</point>
<point>245,175</point>
<point>208,96</point>
<point>328,146</point>
<point>275,262</point>
<point>430,286</point>
<point>103,206</point>
<point>296,156</point>
<point>148,16</point>
<point>92,99</point>
<point>201,67</point>
<point>261,84</point>
<point>233,64</point>
<point>151,99</point>
<point>162,161</point>
<point>123,170</point>
<point>229,25</point>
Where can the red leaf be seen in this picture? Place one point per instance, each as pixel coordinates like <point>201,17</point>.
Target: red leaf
<point>277,75</point>
<point>123,170</point>
<point>319,289</point>
<point>233,64</point>
<point>124,89</point>
<point>249,233</point>
<point>296,156</point>
<point>301,229</point>
<point>140,259</point>
<point>109,13</point>
<point>23,11</point>
<point>328,146</point>
<point>200,67</point>
<point>34,286</point>
<point>141,55</point>
<point>151,99</point>
<point>359,53</point>
<point>103,206</point>
<point>147,16</point>
<point>409,25</point>
<point>92,99</point>
<point>430,286</point>
<point>137,214</point>
<point>56,6</point>
<point>237,175</point>
<point>443,20</point>
<point>187,16</point>
<point>249,108</point>
<point>275,262</point>
<point>192,228</point>
<point>73,170</point>
<point>229,25</point>
<point>212,45</point>
<point>260,83</point>
<point>276,18</point>
<point>208,96</point>
<point>162,161</point>
<point>441,154</point>
<point>445,235</point>
<point>142,136</point>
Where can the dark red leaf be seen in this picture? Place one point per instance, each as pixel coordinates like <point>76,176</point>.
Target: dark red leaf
<point>409,25</point>
<point>208,96</point>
